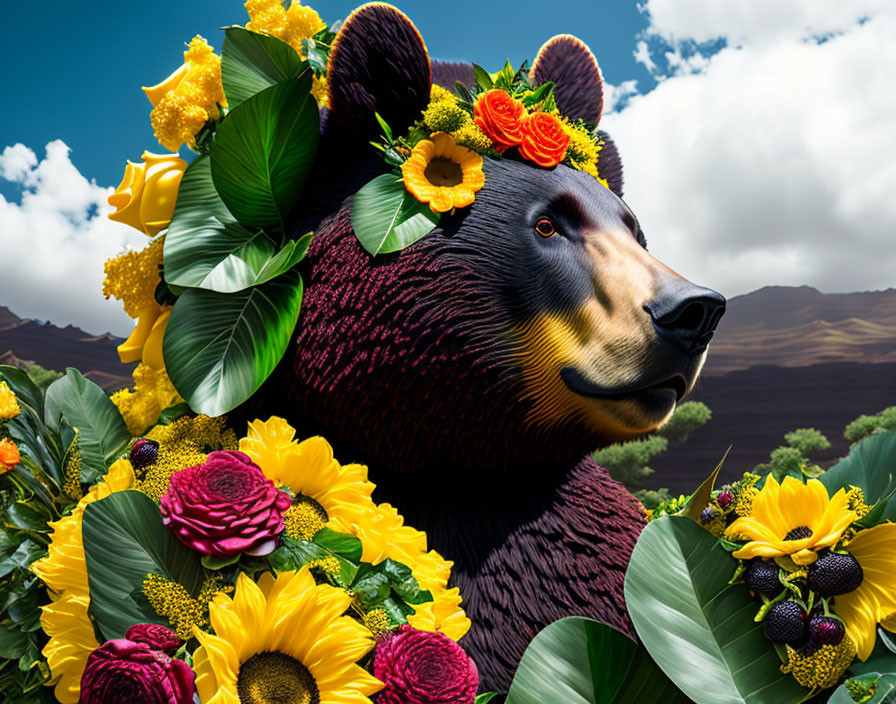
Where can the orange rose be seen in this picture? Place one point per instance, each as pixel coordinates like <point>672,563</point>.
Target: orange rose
<point>9,455</point>
<point>544,139</point>
<point>500,117</point>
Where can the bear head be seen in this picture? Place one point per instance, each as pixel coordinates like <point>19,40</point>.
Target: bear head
<point>525,331</point>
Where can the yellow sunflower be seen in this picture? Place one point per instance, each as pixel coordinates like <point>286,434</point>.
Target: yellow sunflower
<point>442,173</point>
<point>324,489</point>
<point>383,535</point>
<point>793,520</point>
<point>875,599</point>
<point>64,571</point>
<point>283,639</point>
<point>338,497</point>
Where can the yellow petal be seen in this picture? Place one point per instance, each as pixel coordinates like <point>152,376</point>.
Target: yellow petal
<point>131,350</point>
<point>152,349</point>
<point>126,198</point>
<point>160,90</point>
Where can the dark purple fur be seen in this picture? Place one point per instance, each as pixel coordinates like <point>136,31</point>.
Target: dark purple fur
<point>401,362</point>
<point>578,85</point>
<point>609,165</point>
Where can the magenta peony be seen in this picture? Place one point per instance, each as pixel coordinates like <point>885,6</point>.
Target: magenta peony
<point>155,636</point>
<point>124,671</point>
<point>225,506</point>
<point>420,667</point>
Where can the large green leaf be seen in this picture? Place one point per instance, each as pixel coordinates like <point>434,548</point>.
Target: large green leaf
<point>124,540</point>
<point>207,248</point>
<point>386,218</point>
<point>578,660</point>
<point>701,497</point>
<point>871,466</point>
<point>219,348</point>
<point>263,153</point>
<point>251,62</point>
<point>698,628</point>
<point>102,433</point>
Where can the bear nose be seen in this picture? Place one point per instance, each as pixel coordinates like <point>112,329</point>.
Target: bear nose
<point>687,314</point>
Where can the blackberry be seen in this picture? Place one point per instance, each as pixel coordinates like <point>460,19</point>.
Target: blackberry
<point>725,498</point>
<point>825,630</point>
<point>144,453</point>
<point>762,578</point>
<point>708,515</point>
<point>785,622</point>
<point>834,573</point>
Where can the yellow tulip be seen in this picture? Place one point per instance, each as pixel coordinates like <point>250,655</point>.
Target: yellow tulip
<point>147,193</point>
<point>145,342</point>
<point>160,90</point>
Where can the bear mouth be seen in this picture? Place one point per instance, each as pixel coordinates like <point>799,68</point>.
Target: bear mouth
<point>578,384</point>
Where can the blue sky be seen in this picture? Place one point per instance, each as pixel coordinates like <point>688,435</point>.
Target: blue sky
<point>80,82</point>
<point>756,135</point>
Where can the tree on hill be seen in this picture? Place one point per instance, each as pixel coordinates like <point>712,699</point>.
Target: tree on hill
<point>687,418</point>
<point>865,425</point>
<point>40,376</point>
<point>801,447</point>
<point>808,441</point>
<point>627,462</point>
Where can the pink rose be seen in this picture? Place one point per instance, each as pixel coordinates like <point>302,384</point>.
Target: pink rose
<point>124,671</point>
<point>225,506</point>
<point>420,667</point>
<point>155,636</point>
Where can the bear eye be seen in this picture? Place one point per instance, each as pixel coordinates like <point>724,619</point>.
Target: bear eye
<point>545,227</point>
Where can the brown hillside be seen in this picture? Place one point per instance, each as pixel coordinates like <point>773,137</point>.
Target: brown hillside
<point>56,348</point>
<point>800,326</point>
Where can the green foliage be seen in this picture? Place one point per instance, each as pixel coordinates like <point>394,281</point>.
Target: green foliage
<point>865,425</point>
<point>687,418</point>
<point>627,462</point>
<point>251,62</point>
<point>869,466</point>
<point>263,151</point>
<point>219,348</point>
<point>581,661</point>
<point>651,498</point>
<point>102,433</point>
<point>782,461</point>
<point>386,218</point>
<point>697,627</point>
<point>124,540</point>
<point>809,441</point>
<point>40,376</point>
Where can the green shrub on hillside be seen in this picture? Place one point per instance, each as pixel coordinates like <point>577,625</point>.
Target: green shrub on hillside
<point>627,461</point>
<point>42,377</point>
<point>808,441</point>
<point>687,418</point>
<point>865,425</point>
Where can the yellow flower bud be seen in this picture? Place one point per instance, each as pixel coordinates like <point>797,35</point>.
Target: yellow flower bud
<point>152,350</point>
<point>131,350</point>
<point>160,90</point>
<point>146,196</point>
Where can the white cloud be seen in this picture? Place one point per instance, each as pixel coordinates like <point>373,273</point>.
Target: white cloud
<point>772,160</point>
<point>757,22</point>
<point>55,241</point>
<point>643,57</point>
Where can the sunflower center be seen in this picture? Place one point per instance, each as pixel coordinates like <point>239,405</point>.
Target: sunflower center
<point>275,678</point>
<point>443,172</point>
<point>799,533</point>
<point>304,518</point>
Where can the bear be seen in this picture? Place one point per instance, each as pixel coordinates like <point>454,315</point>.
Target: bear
<point>476,370</point>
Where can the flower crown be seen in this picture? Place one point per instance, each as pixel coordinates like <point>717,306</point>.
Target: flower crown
<point>439,161</point>
<point>217,293</point>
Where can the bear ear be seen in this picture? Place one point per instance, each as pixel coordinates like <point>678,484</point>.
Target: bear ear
<point>609,164</point>
<point>578,84</point>
<point>378,64</point>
